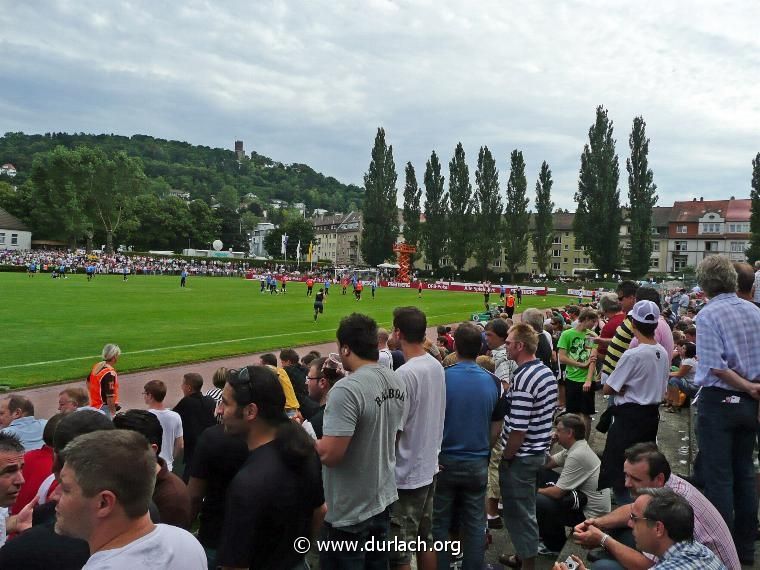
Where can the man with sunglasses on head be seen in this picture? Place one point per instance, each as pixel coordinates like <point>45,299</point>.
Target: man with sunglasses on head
<point>323,374</point>
<point>357,449</point>
<point>276,497</point>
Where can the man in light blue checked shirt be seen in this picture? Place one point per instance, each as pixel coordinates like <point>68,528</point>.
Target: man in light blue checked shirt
<point>728,369</point>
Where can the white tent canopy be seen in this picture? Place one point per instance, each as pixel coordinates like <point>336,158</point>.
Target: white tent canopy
<point>389,266</point>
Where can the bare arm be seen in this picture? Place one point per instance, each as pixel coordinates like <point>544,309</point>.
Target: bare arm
<point>514,441</point>
<point>197,489</point>
<point>332,449</point>
<point>565,359</point>
<point>317,518</point>
<point>495,431</point>
<point>733,379</point>
<point>682,371</point>
<point>590,536</point>
<point>179,446</point>
<point>553,492</point>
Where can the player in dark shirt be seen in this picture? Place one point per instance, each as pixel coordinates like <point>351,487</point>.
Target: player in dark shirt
<point>319,303</point>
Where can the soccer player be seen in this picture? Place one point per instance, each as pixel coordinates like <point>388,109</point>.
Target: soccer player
<point>419,289</point>
<point>319,303</point>
<point>327,286</point>
<point>309,286</point>
<point>284,284</point>
<point>373,285</point>
<point>343,284</point>
<point>183,277</point>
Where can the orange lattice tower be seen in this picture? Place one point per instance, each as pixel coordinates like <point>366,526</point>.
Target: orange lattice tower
<point>404,252</point>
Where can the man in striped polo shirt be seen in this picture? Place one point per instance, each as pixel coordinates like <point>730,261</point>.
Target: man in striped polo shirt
<point>526,436</point>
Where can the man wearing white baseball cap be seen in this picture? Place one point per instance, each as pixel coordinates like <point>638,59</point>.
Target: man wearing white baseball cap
<point>638,385</point>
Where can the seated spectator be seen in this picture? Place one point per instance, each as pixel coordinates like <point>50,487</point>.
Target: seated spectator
<point>682,380</point>
<point>173,441</point>
<point>74,400</point>
<point>197,413</point>
<point>645,467</point>
<point>277,495</point>
<point>323,374</point>
<point>663,524</point>
<point>291,401</point>
<point>218,457</point>
<point>560,504</point>
<point>17,418</point>
<point>38,465</point>
<point>472,422</point>
<point>297,374</point>
<point>170,492</point>
<point>107,481</point>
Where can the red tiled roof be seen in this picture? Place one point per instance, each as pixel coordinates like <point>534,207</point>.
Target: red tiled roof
<point>692,211</point>
<point>739,210</point>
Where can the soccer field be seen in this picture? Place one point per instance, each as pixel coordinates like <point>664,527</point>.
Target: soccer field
<point>54,329</point>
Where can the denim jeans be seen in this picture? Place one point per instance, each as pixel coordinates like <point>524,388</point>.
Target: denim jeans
<point>519,486</point>
<point>461,487</point>
<point>727,432</point>
<point>375,528</point>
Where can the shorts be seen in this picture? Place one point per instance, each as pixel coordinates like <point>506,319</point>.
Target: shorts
<point>319,308</point>
<point>577,401</point>
<point>412,517</point>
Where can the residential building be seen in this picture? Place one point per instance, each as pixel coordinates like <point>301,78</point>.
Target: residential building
<point>8,169</point>
<point>256,240</point>
<point>180,194</point>
<point>701,227</point>
<point>13,233</point>
<point>337,238</point>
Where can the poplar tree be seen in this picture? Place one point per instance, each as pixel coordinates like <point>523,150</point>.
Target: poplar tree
<point>488,211</point>
<point>460,218</point>
<point>380,220</point>
<point>412,211</point>
<point>436,209</point>
<point>543,231</point>
<point>642,197</point>
<point>516,215</point>
<point>753,253</point>
<point>597,216</point>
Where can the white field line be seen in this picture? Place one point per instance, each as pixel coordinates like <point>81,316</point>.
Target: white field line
<point>180,346</point>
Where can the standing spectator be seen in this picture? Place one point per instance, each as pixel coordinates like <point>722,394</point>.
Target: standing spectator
<point>218,380</point>
<point>745,280</point>
<point>17,419</point>
<point>398,356</point>
<point>197,414</point>
<point>103,381</point>
<point>419,439</point>
<point>577,355</point>
<point>728,369</point>
<point>386,358</point>
<point>357,449</point>
<point>217,459</point>
<point>544,351</point>
<point>509,308</point>
<point>474,416</point>
<point>277,496</point>
<point>107,481</point>
<point>623,334</point>
<point>614,313</point>
<point>170,493</point>
<point>663,335</point>
<point>756,286</point>
<point>638,385</point>
<point>289,361</point>
<point>323,374</point>
<point>580,473</point>
<point>172,442</point>
<point>504,368</point>
<point>291,401</point>
<point>11,481</point>
<point>532,398</point>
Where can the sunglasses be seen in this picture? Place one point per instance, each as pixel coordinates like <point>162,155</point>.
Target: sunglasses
<point>635,518</point>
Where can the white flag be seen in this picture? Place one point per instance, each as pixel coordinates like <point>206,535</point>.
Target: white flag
<point>283,243</point>
<point>298,251</point>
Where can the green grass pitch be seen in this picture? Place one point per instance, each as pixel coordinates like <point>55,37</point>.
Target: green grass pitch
<point>54,329</point>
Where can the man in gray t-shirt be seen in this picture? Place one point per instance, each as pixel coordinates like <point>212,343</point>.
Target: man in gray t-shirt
<point>357,449</point>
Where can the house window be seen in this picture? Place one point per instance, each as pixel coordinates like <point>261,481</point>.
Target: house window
<point>567,234</point>
<point>681,246</point>
<point>738,228</point>
<point>679,263</point>
<point>14,239</point>
<point>655,246</point>
<point>711,246</point>
<point>2,238</point>
<point>736,246</point>
<point>654,231</point>
<point>557,239</point>
<point>711,228</point>
<point>555,266</point>
<point>585,260</point>
<point>577,260</point>
<point>654,263</point>
<point>535,259</point>
<point>556,253</point>
<point>681,229</point>
<point>567,247</point>
<point>564,260</point>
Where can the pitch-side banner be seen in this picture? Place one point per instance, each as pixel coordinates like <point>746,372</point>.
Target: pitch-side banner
<point>467,287</point>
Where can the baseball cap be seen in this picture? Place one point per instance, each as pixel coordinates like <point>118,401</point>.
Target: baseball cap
<point>645,312</point>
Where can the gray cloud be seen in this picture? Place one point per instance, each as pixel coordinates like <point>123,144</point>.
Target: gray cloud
<point>311,81</point>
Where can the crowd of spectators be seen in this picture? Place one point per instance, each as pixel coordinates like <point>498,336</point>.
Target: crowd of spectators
<point>401,441</point>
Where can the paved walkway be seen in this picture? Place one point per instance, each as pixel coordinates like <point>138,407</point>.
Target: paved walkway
<point>45,398</point>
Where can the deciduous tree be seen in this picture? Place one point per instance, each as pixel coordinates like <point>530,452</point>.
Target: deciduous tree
<point>434,234</point>
<point>543,231</point>
<point>753,253</point>
<point>488,211</point>
<point>460,200</point>
<point>516,215</point>
<point>379,210</point>
<point>642,197</point>
<point>412,210</point>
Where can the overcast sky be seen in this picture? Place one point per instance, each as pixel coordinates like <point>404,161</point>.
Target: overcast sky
<point>311,81</point>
